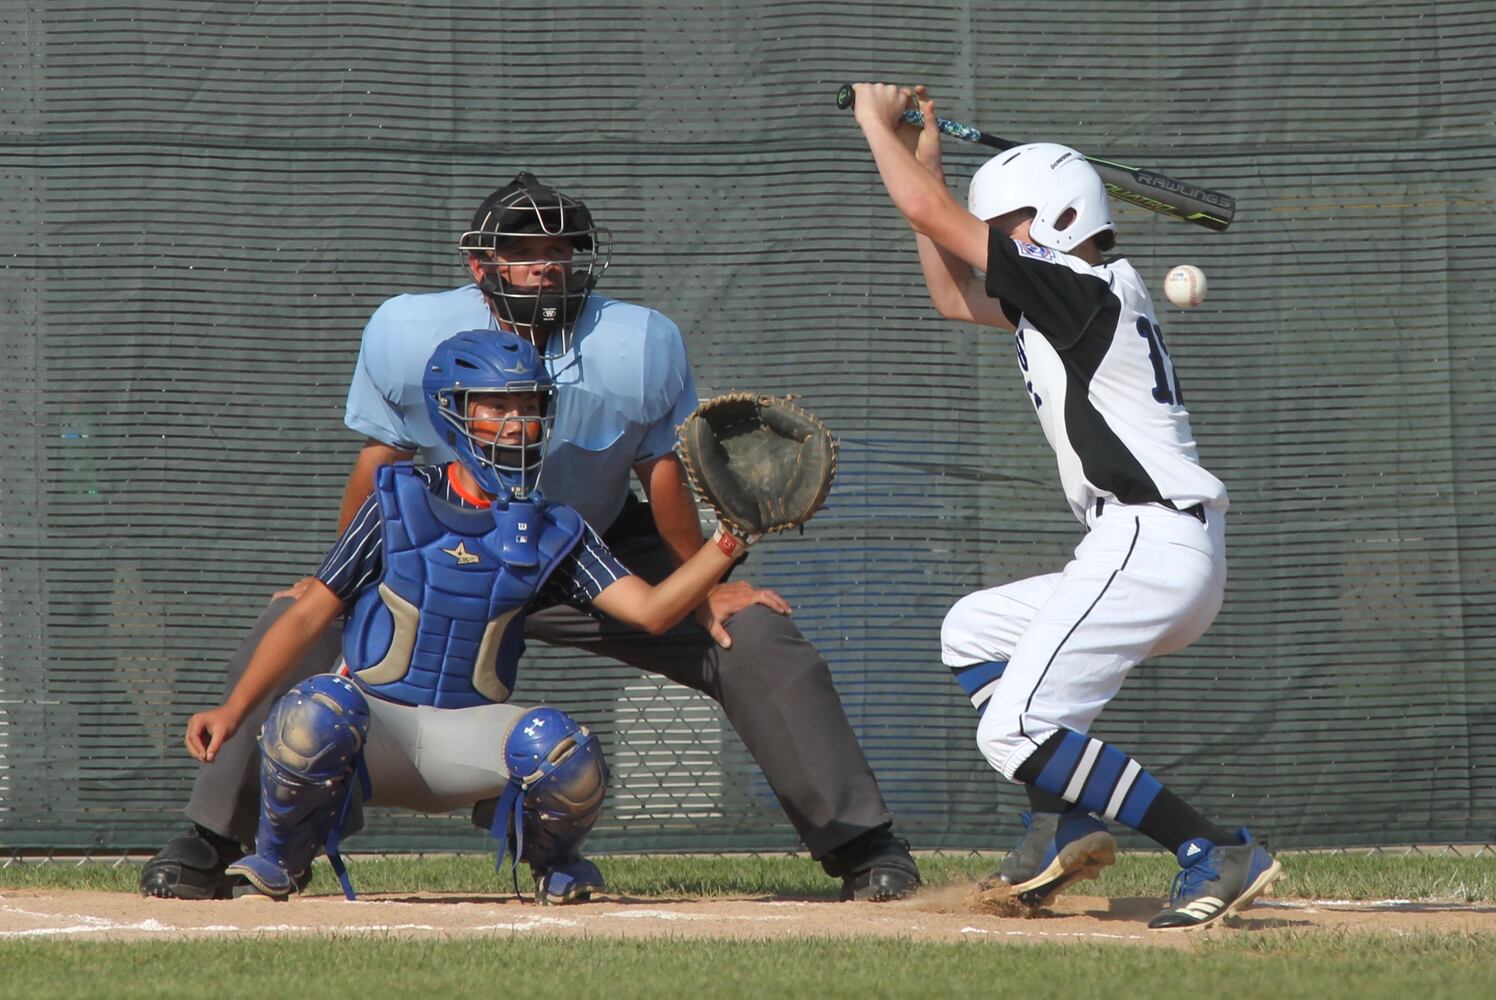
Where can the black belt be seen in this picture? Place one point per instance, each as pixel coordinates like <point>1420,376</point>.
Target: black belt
<point>1197,511</point>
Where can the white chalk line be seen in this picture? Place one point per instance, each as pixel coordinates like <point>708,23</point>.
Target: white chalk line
<point>90,924</point>
<point>1054,934</point>
<point>677,915</point>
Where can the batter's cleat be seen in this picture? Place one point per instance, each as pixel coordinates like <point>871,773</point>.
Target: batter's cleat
<point>264,877</point>
<point>1216,881</point>
<point>1057,850</point>
<point>192,867</point>
<point>573,882</point>
<point>874,867</point>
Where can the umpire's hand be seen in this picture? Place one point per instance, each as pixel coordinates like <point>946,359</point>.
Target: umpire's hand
<point>727,599</point>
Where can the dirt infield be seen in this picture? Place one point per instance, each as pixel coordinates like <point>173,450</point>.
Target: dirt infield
<point>935,915</point>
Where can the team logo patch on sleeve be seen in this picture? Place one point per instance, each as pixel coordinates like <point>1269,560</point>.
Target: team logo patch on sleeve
<point>1037,252</point>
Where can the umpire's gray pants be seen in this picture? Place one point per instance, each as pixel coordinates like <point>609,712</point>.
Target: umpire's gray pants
<point>773,686</point>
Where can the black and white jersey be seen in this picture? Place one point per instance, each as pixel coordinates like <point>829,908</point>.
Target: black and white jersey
<point>1100,378</point>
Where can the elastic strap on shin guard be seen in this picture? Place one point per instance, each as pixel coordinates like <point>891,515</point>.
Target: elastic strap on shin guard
<point>557,781</point>
<point>335,835</point>
<point>508,819</point>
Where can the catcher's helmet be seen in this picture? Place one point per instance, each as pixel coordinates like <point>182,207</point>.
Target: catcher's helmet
<point>526,207</point>
<point>1048,178</point>
<point>489,362</point>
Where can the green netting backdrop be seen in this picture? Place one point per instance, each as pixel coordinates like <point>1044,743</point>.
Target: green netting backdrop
<point>202,202</point>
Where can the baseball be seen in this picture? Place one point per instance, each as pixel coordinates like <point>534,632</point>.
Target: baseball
<point>1185,286</point>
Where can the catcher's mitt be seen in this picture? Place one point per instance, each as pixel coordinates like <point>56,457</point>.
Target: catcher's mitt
<point>762,464</point>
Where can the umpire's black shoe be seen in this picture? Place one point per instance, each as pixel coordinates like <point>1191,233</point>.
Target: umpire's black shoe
<point>192,867</point>
<point>875,867</point>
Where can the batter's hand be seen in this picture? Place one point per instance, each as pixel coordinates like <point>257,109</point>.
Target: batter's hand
<point>727,599</point>
<point>927,150</point>
<point>881,104</point>
<point>206,732</point>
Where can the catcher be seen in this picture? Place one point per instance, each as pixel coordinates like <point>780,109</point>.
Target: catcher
<point>435,574</point>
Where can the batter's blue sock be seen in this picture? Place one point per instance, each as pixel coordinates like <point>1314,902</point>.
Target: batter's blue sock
<point>979,680</point>
<point>1108,782</point>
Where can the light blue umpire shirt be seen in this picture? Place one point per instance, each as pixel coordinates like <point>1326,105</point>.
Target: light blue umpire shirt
<point>622,389</point>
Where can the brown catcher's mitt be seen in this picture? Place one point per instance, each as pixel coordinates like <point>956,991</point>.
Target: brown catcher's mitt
<point>762,464</point>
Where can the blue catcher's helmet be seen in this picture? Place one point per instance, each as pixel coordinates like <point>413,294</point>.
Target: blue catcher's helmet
<point>490,363</point>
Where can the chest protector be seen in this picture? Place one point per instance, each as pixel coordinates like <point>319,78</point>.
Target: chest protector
<point>445,625</point>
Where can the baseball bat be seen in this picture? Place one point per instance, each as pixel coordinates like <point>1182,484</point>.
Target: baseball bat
<point>1135,185</point>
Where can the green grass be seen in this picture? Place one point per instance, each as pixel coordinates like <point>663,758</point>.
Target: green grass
<point>1235,967</point>
<point>1315,876</point>
<point>1265,964</point>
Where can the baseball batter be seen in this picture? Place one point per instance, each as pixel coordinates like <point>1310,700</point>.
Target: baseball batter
<point>1040,658</point>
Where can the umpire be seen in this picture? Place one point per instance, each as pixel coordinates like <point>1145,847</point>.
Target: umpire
<point>624,384</point>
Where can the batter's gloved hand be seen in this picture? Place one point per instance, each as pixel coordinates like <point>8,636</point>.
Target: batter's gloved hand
<point>761,463</point>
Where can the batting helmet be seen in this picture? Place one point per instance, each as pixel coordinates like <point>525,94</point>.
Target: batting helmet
<point>1050,179</point>
<point>489,362</point>
<point>526,207</point>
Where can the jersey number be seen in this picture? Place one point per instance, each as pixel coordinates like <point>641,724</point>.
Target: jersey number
<point>1165,385</point>
<point>1023,363</point>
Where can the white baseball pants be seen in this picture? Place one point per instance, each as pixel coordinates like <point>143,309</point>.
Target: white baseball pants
<point>1145,581</point>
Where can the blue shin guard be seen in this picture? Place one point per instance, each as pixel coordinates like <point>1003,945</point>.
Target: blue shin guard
<point>558,779</point>
<point>310,746</point>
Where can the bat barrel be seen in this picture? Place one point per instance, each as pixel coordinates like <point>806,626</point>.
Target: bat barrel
<point>1144,188</point>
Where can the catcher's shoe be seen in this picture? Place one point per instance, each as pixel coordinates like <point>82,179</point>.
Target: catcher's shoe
<point>1057,850</point>
<point>1216,881</point>
<point>572,882</point>
<point>259,876</point>
<point>192,867</point>
<point>245,886</point>
<point>874,867</point>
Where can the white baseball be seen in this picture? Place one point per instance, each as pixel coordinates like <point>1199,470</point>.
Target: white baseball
<point>1185,286</point>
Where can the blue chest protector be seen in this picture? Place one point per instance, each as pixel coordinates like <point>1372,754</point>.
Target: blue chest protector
<point>445,625</point>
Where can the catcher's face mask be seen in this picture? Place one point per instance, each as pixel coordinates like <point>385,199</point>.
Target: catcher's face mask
<point>502,435</point>
<point>490,400</point>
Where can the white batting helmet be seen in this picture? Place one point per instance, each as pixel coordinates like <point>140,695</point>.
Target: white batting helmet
<point>1048,178</point>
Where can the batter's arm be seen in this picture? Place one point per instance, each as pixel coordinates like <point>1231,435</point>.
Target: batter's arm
<point>920,196</point>
<point>955,289</point>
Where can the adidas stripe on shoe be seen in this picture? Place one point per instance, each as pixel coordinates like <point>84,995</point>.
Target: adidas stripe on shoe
<point>1216,881</point>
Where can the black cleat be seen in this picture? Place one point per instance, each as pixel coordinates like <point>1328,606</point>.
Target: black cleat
<point>874,867</point>
<point>192,867</point>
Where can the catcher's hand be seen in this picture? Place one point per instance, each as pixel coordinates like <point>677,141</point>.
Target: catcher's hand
<point>762,464</point>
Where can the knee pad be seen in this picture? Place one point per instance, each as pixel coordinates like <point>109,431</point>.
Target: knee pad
<point>557,781</point>
<point>310,744</point>
<point>318,727</point>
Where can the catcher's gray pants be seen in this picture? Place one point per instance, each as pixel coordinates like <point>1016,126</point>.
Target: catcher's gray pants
<point>774,687</point>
